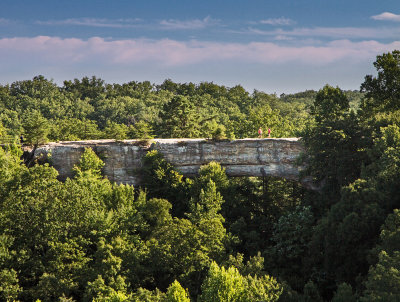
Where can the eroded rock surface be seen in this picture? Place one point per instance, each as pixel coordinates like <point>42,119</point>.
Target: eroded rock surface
<point>123,159</point>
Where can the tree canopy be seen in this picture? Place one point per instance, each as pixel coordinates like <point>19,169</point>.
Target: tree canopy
<point>210,237</point>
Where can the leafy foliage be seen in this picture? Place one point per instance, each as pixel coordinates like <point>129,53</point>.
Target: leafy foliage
<point>229,285</point>
<point>36,128</point>
<point>344,293</point>
<point>176,293</point>
<point>382,91</point>
<point>384,277</point>
<point>87,239</point>
<point>89,108</point>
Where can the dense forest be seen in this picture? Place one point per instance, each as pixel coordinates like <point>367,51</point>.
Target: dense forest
<point>210,238</point>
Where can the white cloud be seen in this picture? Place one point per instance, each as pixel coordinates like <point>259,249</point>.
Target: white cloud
<point>54,51</point>
<point>386,16</point>
<point>94,22</point>
<point>264,66</point>
<point>188,24</point>
<point>4,21</point>
<point>331,32</point>
<point>170,24</point>
<point>282,38</point>
<point>278,21</point>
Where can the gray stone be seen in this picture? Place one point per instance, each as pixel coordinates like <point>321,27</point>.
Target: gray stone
<point>123,159</point>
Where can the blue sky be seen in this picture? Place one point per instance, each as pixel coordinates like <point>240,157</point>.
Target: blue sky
<point>273,46</point>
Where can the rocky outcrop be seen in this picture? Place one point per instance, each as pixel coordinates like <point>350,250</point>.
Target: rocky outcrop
<point>123,159</point>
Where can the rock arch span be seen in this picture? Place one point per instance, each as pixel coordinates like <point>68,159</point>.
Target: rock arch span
<point>276,157</point>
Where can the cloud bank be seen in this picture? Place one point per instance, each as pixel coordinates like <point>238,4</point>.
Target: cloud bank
<point>166,52</point>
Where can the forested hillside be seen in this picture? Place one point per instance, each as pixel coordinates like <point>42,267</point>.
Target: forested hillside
<point>210,238</point>
<point>92,109</point>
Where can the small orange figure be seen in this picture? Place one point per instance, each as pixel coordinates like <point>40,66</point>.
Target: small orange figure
<point>260,132</point>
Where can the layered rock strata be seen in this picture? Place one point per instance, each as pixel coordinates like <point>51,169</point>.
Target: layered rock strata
<point>275,157</point>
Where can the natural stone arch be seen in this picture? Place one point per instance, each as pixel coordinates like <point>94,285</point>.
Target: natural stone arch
<point>276,157</point>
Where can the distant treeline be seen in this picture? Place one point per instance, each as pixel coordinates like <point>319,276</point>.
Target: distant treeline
<point>91,109</point>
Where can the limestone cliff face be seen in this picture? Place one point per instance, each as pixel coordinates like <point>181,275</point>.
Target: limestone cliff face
<point>123,159</point>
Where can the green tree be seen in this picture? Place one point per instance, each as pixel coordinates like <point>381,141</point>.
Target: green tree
<point>74,129</point>
<point>163,181</point>
<point>291,236</point>
<point>98,291</point>
<point>204,214</point>
<point>116,131</point>
<point>109,281</point>
<point>207,205</point>
<point>351,227</point>
<point>67,234</point>
<point>36,128</point>
<point>38,87</point>
<point>223,285</point>
<point>254,266</point>
<point>141,130</point>
<point>346,236</point>
<point>91,88</point>
<point>10,170</point>
<point>41,95</point>
<point>229,285</point>
<point>390,234</point>
<point>344,293</point>
<point>214,172</point>
<point>2,131</point>
<point>330,104</point>
<point>176,293</point>
<point>178,119</point>
<point>183,249</point>
<point>89,164</point>
<point>311,293</point>
<point>260,116</point>
<point>384,279</point>
<point>9,287</point>
<point>264,288</point>
<point>334,143</point>
<point>382,91</point>
<point>12,122</point>
<point>63,272</point>
<point>383,282</point>
<point>145,295</point>
<point>384,170</point>
<point>152,214</point>
<point>178,250</point>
